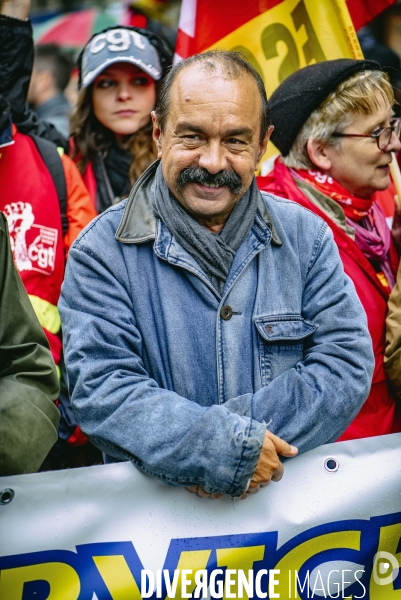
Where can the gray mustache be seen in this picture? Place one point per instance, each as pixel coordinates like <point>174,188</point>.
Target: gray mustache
<point>202,176</point>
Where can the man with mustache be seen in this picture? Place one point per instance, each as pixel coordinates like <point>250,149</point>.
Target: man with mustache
<point>209,328</point>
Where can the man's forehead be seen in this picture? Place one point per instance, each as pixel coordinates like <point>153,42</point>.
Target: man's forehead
<point>198,69</point>
<point>198,83</point>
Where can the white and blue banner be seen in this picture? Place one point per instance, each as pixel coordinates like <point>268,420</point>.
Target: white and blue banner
<point>331,528</point>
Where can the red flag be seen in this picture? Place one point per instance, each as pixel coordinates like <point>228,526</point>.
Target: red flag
<point>363,11</point>
<point>205,22</point>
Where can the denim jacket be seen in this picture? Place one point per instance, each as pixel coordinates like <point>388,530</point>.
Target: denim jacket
<point>165,372</point>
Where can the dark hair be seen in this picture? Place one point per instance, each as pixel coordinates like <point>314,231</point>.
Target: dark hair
<point>234,65</point>
<point>50,57</point>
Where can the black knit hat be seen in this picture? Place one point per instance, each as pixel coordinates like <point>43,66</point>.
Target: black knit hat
<point>302,92</point>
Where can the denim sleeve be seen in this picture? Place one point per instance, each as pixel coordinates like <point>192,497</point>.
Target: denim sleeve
<point>123,411</point>
<point>313,403</point>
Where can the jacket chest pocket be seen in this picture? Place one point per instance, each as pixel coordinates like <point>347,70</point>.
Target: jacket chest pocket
<point>281,343</point>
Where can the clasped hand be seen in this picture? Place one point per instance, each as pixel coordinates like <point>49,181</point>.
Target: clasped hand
<point>269,467</point>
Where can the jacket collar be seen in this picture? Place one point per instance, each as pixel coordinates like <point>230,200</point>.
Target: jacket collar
<point>138,223</point>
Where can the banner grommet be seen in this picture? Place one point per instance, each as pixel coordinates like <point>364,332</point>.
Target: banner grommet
<point>6,496</point>
<point>331,464</point>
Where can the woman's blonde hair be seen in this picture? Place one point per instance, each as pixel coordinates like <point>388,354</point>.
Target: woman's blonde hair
<point>90,137</point>
<point>358,94</point>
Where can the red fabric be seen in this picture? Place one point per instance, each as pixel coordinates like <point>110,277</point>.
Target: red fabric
<point>137,19</point>
<point>353,207</point>
<point>29,200</point>
<point>214,20</point>
<point>77,438</point>
<point>379,414</point>
<point>386,200</point>
<point>372,236</point>
<point>363,11</point>
<point>80,207</point>
<point>88,175</point>
<point>90,182</point>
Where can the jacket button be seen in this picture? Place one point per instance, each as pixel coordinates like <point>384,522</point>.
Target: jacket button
<point>269,329</point>
<point>226,312</point>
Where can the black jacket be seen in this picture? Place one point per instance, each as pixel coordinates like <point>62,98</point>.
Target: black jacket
<point>16,62</point>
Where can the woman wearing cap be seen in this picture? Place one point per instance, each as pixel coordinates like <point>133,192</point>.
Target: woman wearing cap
<point>111,131</point>
<point>335,130</point>
<point>120,70</point>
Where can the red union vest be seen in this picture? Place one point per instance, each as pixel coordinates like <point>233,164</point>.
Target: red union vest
<point>29,200</point>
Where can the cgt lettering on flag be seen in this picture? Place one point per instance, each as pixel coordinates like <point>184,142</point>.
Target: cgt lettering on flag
<point>292,35</point>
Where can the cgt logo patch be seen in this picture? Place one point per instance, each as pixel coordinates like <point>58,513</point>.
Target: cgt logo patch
<point>33,246</point>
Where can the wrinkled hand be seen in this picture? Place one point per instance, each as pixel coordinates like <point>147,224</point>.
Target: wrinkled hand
<point>18,9</point>
<point>269,468</point>
<point>396,230</point>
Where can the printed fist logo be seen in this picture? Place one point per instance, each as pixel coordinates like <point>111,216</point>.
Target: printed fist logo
<point>385,568</point>
<point>33,246</point>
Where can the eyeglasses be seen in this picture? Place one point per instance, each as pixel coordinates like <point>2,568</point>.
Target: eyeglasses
<point>382,136</point>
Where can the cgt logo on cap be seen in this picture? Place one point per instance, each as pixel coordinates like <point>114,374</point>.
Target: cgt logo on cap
<point>119,45</point>
<point>385,568</point>
<point>116,40</point>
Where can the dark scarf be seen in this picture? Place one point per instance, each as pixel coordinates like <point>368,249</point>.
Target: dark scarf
<point>111,173</point>
<point>213,253</point>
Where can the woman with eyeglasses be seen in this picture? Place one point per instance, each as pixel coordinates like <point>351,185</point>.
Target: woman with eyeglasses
<point>336,132</point>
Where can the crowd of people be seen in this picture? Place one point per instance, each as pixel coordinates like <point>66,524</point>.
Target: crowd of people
<point>202,322</point>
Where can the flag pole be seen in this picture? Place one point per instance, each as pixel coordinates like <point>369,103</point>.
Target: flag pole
<point>356,52</point>
<point>349,29</point>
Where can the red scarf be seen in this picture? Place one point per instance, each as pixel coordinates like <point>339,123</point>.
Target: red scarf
<point>372,235</point>
<point>353,207</point>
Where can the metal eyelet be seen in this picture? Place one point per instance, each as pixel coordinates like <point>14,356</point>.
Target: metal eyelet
<point>331,464</point>
<point>6,496</point>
